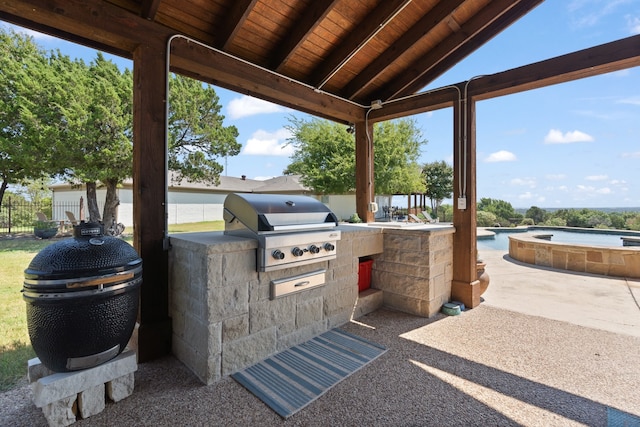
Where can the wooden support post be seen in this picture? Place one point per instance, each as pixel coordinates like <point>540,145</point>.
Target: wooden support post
<point>149,200</point>
<point>465,287</point>
<point>364,171</point>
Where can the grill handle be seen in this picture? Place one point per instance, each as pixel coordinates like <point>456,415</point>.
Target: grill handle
<point>102,280</point>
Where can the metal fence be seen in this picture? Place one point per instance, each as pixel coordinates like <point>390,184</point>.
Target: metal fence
<point>20,217</point>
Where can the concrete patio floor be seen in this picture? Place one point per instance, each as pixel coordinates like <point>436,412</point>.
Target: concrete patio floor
<point>546,348</point>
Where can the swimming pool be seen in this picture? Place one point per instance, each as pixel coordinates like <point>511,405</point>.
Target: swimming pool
<point>580,236</point>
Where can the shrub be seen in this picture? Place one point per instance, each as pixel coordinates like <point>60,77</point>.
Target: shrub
<point>355,219</point>
<point>486,219</point>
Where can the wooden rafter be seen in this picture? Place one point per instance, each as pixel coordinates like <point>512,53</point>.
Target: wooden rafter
<point>605,58</point>
<point>214,67</point>
<point>232,24</point>
<point>149,8</point>
<point>377,19</point>
<point>312,18</point>
<point>360,83</point>
<point>482,27</point>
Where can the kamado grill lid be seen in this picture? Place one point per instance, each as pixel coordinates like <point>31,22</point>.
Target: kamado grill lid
<point>277,212</point>
<point>87,257</point>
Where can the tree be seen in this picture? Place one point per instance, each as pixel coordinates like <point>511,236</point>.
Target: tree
<point>325,156</point>
<point>22,137</point>
<point>537,214</point>
<point>438,178</point>
<point>197,136</point>
<point>503,210</point>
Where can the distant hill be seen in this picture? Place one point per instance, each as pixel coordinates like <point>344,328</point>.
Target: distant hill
<point>606,210</point>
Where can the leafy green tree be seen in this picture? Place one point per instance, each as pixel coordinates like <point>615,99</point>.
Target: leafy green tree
<point>97,145</point>
<point>486,219</point>
<point>537,214</point>
<point>502,209</point>
<point>325,156</point>
<point>22,138</point>
<point>197,136</point>
<point>438,178</point>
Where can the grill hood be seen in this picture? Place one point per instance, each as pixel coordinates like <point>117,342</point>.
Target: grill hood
<point>274,213</point>
<point>290,230</point>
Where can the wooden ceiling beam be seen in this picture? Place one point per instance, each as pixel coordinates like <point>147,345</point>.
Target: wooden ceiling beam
<point>436,15</point>
<point>215,67</point>
<point>491,20</point>
<point>351,44</point>
<point>472,44</point>
<point>602,59</point>
<point>237,16</point>
<point>318,10</point>
<point>605,58</point>
<point>107,27</point>
<point>113,29</point>
<point>149,8</point>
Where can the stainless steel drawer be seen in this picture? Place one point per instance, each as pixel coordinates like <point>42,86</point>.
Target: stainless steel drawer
<point>291,285</point>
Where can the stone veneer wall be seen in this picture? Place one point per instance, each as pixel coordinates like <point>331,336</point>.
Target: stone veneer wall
<point>223,319</point>
<point>608,261</point>
<point>415,269</point>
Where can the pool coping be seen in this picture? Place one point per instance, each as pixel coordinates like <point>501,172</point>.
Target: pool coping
<point>623,261</point>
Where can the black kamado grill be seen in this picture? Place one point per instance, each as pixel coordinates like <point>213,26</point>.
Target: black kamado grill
<point>82,299</point>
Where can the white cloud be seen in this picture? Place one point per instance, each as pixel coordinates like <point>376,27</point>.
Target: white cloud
<point>556,177</point>
<point>501,156</point>
<point>633,22</point>
<point>263,143</point>
<point>556,136</point>
<point>634,155</point>
<point>596,177</point>
<point>246,106</point>
<point>604,190</point>
<point>525,196</point>
<point>618,182</point>
<point>634,100</point>
<point>263,178</point>
<point>530,182</point>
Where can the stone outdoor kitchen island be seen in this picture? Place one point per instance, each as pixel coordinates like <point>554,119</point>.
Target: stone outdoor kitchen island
<point>225,318</point>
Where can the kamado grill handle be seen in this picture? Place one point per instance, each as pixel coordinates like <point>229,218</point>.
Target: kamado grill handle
<point>102,280</point>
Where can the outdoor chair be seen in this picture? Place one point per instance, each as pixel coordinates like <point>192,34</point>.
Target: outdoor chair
<point>428,217</point>
<point>416,218</point>
<point>42,217</point>
<point>72,218</point>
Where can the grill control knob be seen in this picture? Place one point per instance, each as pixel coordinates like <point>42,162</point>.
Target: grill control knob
<point>329,247</point>
<point>297,251</point>
<point>277,254</point>
<point>314,249</point>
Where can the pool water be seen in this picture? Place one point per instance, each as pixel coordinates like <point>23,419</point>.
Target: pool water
<point>582,237</point>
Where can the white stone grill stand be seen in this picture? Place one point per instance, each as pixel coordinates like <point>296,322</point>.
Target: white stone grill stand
<point>63,396</point>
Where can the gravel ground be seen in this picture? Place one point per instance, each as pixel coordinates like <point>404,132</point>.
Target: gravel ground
<point>487,366</point>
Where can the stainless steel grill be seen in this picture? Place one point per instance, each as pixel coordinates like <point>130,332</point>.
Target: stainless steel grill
<point>291,230</point>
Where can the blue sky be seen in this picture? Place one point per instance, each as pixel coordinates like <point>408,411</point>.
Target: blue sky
<point>571,145</point>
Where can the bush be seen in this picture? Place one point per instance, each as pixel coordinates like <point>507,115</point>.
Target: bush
<point>527,221</point>
<point>556,222</point>
<point>355,219</point>
<point>486,219</point>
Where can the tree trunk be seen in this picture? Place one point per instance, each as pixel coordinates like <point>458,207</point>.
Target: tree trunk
<point>92,202</point>
<point>111,203</point>
<point>3,188</point>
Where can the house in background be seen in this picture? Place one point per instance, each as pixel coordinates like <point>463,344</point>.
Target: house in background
<point>192,201</point>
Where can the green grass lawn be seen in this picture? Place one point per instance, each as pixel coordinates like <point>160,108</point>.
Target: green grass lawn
<point>15,256</point>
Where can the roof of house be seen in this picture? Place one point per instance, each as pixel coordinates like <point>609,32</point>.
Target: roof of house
<point>228,184</point>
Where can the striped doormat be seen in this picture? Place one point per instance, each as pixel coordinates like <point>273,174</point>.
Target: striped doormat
<point>292,379</point>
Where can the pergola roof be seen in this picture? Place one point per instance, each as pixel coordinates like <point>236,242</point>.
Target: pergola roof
<point>292,52</point>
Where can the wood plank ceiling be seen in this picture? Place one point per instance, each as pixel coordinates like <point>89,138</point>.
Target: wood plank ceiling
<point>357,51</point>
